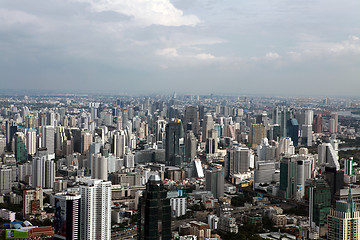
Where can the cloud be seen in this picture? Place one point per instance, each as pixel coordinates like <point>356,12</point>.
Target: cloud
<point>16,17</point>
<point>205,56</point>
<point>272,56</point>
<point>146,12</point>
<point>167,52</point>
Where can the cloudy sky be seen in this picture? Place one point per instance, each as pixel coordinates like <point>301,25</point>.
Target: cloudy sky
<point>305,47</point>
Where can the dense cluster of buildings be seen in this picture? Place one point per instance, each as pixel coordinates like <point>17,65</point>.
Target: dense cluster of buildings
<point>88,164</point>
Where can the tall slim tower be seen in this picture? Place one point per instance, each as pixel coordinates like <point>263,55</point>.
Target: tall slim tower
<point>47,137</point>
<point>95,217</point>
<point>344,221</point>
<point>215,182</point>
<point>191,116</point>
<point>174,136</point>
<point>154,212</point>
<point>67,216</point>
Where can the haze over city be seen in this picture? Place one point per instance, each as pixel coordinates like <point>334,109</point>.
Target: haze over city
<point>188,46</point>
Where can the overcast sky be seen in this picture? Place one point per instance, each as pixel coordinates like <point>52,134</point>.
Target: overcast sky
<point>304,47</point>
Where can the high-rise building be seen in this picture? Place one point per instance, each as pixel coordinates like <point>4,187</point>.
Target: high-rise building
<point>190,145</point>
<point>154,212</point>
<point>47,138</point>
<point>33,201</point>
<point>288,177</point>
<point>6,180</point>
<point>100,167</point>
<point>238,161</point>
<point>31,141</point>
<point>328,156</point>
<point>344,221</point>
<point>306,135</point>
<point>119,141</point>
<point>43,169</point>
<point>292,130</point>
<point>191,119</point>
<point>86,140</point>
<point>173,142</point>
<point>95,211</point>
<point>21,153</point>
<point>281,115</point>
<point>257,133</point>
<point>67,216</point>
<point>215,182</point>
<point>319,203</point>
<point>212,141</point>
<point>207,124</point>
<point>2,145</point>
<point>318,124</point>
<point>348,165</point>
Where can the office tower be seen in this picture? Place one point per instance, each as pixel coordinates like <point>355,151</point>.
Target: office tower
<point>119,140</point>
<point>21,153</point>
<point>33,201</point>
<point>332,128</point>
<point>215,182</point>
<point>190,145</point>
<point>160,129</point>
<point>237,161</point>
<point>328,156</point>
<point>191,118</point>
<point>274,132</point>
<point>335,116</point>
<point>293,130</point>
<point>24,171</point>
<point>335,179</point>
<point>93,110</point>
<point>266,151</point>
<point>50,118</point>
<point>31,141</point>
<point>174,137</point>
<point>348,165</point>
<point>95,210</point>
<point>6,180</point>
<point>43,167</point>
<point>263,172</point>
<point>344,221</point>
<point>309,117</point>
<point>86,140</point>
<point>30,121</point>
<point>93,148</point>
<point>67,216</point>
<point>11,129</point>
<point>42,119</point>
<point>100,167</point>
<point>304,172</point>
<point>281,115</point>
<point>306,137</point>
<point>319,203</point>
<point>129,160</point>
<point>207,124</point>
<point>2,145</point>
<point>49,174</point>
<point>288,177</point>
<point>317,125</point>
<point>212,142</point>
<point>154,212</point>
<point>257,133</point>
<point>125,118</point>
<point>47,138</point>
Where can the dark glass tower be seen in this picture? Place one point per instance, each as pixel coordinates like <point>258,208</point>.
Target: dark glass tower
<point>154,212</point>
<point>173,150</point>
<point>293,130</point>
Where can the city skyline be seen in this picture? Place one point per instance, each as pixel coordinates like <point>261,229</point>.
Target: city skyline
<point>162,46</point>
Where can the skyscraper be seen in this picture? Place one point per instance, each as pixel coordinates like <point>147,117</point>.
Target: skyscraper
<point>31,141</point>
<point>191,117</point>
<point>292,130</point>
<point>119,141</point>
<point>319,203</point>
<point>318,125</point>
<point>67,216</point>
<point>154,212</point>
<point>257,133</point>
<point>174,138</point>
<point>47,138</point>
<point>100,166</point>
<point>95,217</point>
<point>348,165</point>
<point>288,177</point>
<point>190,145</point>
<point>238,161</point>
<point>215,182</point>
<point>344,221</point>
<point>43,169</point>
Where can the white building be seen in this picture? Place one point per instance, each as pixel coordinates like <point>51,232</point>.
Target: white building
<point>7,215</point>
<point>178,206</point>
<point>48,138</point>
<point>43,168</point>
<point>95,222</point>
